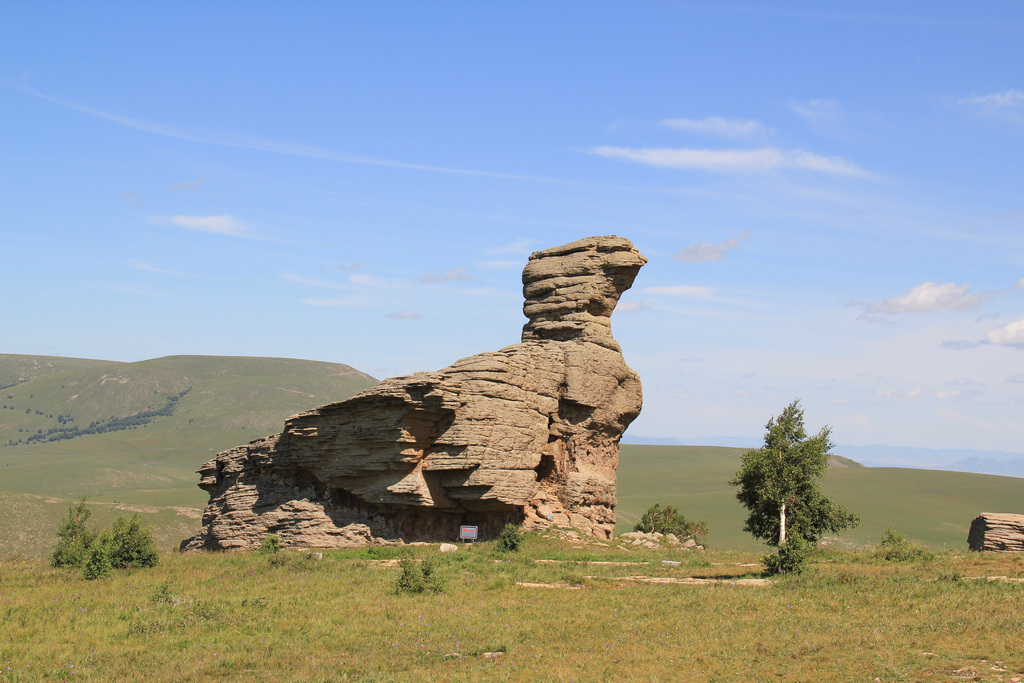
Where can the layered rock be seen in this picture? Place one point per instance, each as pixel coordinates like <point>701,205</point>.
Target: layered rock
<point>997,531</point>
<point>528,434</point>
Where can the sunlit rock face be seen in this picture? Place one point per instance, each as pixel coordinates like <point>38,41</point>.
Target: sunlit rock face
<point>999,532</point>
<point>528,434</point>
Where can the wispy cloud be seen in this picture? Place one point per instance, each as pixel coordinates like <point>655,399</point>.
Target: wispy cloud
<point>520,246</point>
<point>762,160</point>
<point>131,198</point>
<point>702,251</point>
<point>929,297</point>
<point>148,267</point>
<point>332,303</point>
<point>313,282</point>
<point>817,111</point>
<point>456,275</point>
<point>1007,105</point>
<point>500,265</point>
<point>1009,335</point>
<point>222,225</point>
<point>231,140</point>
<point>687,291</point>
<point>186,185</point>
<point>344,267</point>
<point>404,315</point>
<point>716,126</point>
<point>630,306</point>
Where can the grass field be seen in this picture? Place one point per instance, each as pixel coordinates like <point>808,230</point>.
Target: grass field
<point>296,617</point>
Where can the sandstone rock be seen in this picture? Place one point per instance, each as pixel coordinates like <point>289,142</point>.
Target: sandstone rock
<point>528,434</point>
<point>997,531</point>
<point>449,548</point>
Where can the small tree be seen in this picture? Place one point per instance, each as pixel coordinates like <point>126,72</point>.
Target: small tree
<point>669,520</point>
<point>74,538</point>
<point>778,483</point>
<point>128,544</point>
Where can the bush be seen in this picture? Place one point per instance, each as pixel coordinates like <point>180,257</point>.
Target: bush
<point>790,557</point>
<point>129,544</point>
<point>510,539</point>
<point>894,547</point>
<point>98,566</point>
<point>270,545</point>
<point>670,521</point>
<point>418,577</point>
<point>74,539</point>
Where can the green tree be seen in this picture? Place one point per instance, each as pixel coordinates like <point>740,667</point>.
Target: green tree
<point>74,538</point>
<point>128,544</point>
<point>778,483</point>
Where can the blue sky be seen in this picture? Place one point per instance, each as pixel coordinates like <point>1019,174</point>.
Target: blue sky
<point>830,196</point>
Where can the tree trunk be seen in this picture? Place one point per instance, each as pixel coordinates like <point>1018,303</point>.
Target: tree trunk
<point>782,524</point>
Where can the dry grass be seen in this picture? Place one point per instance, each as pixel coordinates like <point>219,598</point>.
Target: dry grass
<point>295,617</point>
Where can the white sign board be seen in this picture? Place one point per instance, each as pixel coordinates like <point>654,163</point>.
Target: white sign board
<point>467,533</point>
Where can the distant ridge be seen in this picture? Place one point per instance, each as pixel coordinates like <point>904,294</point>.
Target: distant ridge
<point>999,463</point>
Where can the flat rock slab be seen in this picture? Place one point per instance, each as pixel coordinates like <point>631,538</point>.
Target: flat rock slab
<point>997,532</point>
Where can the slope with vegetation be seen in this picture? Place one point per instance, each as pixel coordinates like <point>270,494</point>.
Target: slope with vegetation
<point>131,435</point>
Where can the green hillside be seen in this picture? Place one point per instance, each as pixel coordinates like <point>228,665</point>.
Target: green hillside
<point>929,506</point>
<point>196,406</point>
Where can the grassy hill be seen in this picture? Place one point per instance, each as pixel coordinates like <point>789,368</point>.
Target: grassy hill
<point>929,506</point>
<point>199,405</point>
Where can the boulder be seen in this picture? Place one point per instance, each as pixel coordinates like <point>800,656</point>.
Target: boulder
<point>528,434</point>
<point>997,531</point>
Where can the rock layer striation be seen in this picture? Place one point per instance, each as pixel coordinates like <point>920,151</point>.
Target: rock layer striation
<point>528,434</point>
<point>997,531</point>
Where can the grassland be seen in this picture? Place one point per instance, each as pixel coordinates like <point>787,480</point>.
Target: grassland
<point>296,617</point>
<point>928,506</point>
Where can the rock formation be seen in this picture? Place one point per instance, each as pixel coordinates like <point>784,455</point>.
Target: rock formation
<point>997,531</point>
<point>528,434</point>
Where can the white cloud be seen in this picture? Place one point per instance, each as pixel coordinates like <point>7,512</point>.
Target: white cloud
<point>762,160</point>
<point>1009,335</point>
<point>1007,105</point>
<point>996,100</point>
<point>629,306</point>
<point>456,275</point>
<point>928,297</point>
<point>222,225</point>
<point>716,125</point>
<point>702,251</point>
<point>688,291</point>
<point>1016,379</point>
<point>404,315</point>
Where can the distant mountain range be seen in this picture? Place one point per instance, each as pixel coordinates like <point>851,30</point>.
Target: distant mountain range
<point>1001,463</point>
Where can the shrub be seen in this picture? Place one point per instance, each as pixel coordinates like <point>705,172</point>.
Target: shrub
<point>129,544</point>
<point>98,566</point>
<point>418,577</point>
<point>74,539</point>
<point>510,539</point>
<point>894,547</point>
<point>669,520</point>
<point>790,557</point>
<point>270,545</point>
